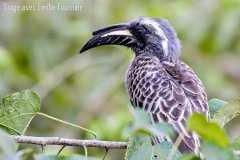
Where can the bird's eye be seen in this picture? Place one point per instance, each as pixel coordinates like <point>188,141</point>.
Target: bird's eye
<point>140,30</point>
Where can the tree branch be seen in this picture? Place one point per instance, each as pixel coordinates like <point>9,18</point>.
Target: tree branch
<point>70,142</point>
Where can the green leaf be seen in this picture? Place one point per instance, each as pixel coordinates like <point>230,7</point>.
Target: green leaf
<point>166,150</point>
<point>236,144</point>
<point>63,157</point>
<point>227,112</point>
<point>139,147</point>
<point>211,151</point>
<point>17,110</point>
<point>143,122</point>
<point>189,156</point>
<point>8,147</point>
<point>28,154</point>
<point>207,130</point>
<point>215,105</point>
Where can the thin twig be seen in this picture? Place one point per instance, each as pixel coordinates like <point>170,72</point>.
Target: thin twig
<point>43,149</point>
<point>70,142</point>
<point>105,154</point>
<point>61,150</point>
<point>86,152</point>
<point>67,123</point>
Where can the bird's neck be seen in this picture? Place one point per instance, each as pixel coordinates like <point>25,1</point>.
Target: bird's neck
<point>150,52</point>
<point>160,56</point>
<point>157,51</point>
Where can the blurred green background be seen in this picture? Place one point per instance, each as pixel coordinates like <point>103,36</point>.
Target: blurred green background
<point>39,51</point>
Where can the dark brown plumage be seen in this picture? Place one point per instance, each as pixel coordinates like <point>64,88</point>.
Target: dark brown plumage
<point>170,91</point>
<point>156,80</point>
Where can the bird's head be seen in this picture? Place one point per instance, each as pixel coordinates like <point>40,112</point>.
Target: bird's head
<point>152,36</point>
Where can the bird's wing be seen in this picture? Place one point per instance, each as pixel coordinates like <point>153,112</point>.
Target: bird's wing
<point>190,83</point>
<point>161,89</point>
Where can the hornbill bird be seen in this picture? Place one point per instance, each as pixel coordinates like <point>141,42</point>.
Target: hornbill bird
<point>157,81</point>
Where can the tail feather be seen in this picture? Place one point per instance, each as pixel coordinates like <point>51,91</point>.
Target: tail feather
<point>188,141</point>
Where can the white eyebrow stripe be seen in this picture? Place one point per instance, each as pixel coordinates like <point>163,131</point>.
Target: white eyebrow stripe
<point>159,32</point>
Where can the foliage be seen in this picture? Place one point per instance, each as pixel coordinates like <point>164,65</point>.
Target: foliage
<point>142,122</point>
<point>209,131</point>
<point>227,112</point>
<point>140,147</point>
<point>215,142</point>
<point>17,111</point>
<point>166,150</point>
<point>215,145</point>
<point>70,157</point>
<point>215,105</point>
<point>236,144</point>
<point>39,51</point>
<point>8,147</point>
<point>140,143</point>
<point>212,151</point>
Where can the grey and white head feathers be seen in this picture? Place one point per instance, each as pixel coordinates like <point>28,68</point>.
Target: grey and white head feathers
<point>153,36</point>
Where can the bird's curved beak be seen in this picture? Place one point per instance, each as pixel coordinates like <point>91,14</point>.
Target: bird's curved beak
<point>117,34</point>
